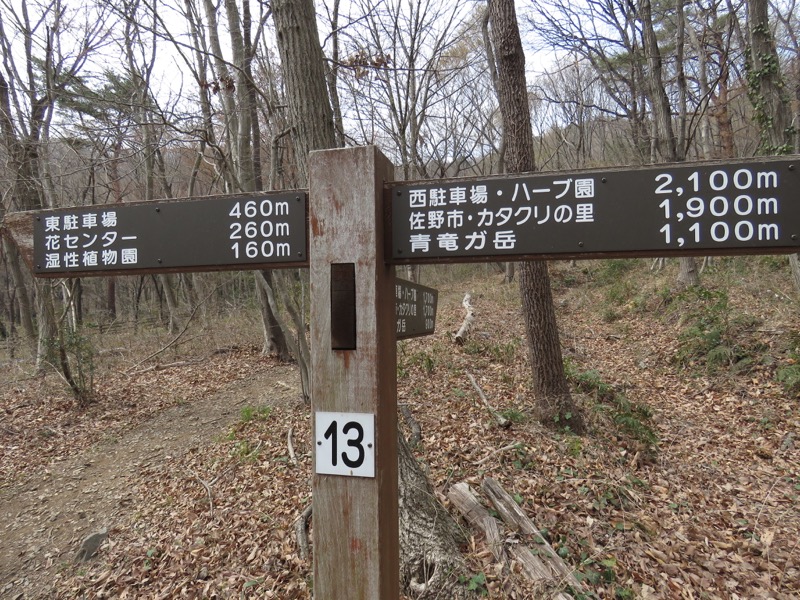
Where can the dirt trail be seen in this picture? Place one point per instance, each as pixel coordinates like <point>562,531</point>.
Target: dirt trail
<point>44,519</point>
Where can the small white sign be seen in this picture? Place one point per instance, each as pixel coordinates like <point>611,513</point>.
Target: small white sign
<point>344,444</point>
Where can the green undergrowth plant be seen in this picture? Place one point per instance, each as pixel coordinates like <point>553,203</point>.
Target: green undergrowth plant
<point>73,355</point>
<point>789,376</point>
<point>630,419</point>
<point>714,336</point>
<point>476,583</point>
<point>250,413</point>
<point>246,451</point>
<point>413,358</point>
<point>503,351</point>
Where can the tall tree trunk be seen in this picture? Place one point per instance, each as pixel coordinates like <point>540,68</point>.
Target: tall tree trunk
<point>768,94</point>
<point>24,199</point>
<point>23,297</point>
<point>249,156</point>
<point>244,130</point>
<point>111,298</point>
<point>227,90</point>
<point>312,119</point>
<point>306,88</point>
<point>665,141</point>
<point>766,85</point>
<point>274,337</point>
<point>333,76</point>
<point>554,403</point>
<point>662,114</point>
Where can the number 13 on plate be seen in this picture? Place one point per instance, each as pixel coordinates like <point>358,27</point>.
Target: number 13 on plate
<point>344,444</point>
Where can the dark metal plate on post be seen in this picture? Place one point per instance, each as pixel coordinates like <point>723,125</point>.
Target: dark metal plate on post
<point>708,208</point>
<point>343,306</point>
<point>213,233</point>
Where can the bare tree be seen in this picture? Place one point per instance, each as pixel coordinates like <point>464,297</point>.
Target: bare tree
<point>41,63</point>
<point>767,90</point>
<point>554,404</point>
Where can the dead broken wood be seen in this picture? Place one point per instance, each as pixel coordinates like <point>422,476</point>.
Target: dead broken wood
<point>301,532</point>
<point>527,548</point>
<point>501,420</point>
<point>493,453</point>
<point>476,515</point>
<point>461,334</point>
<point>290,444</point>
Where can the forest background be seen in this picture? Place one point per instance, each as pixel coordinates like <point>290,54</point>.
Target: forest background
<point>90,114</point>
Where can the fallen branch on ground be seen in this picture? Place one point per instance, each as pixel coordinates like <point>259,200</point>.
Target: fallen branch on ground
<point>461,334</point>
<point>301,531</point>
<point>501,420</point>
<point>476,515</point>
<point>493,453</point>
<point>538,562</point>
<point>289,443</point>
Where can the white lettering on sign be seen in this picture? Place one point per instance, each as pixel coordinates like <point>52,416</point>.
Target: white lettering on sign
<point>73,241</point>
<point>682,209</point>
<point>344,444</point>
<point>719,207</point>
<point>481,217</point>
<point>415,309</point>
<point>256,233</point>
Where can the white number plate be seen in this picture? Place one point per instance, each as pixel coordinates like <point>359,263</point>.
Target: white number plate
<point>344,444</point>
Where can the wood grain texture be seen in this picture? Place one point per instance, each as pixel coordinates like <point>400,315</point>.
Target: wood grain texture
<point>18,227</point>
<point>356,552</point>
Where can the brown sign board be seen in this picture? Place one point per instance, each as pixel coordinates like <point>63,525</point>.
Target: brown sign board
<point>415,309</point>
<point>735,207</point>
<point>214,233</point>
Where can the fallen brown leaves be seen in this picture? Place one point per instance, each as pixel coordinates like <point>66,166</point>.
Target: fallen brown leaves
<point>712,514</point>
<point>42,423</point>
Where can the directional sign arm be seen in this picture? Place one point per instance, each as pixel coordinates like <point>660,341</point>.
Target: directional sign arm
<point>264,230</point>
<point>685,209</point>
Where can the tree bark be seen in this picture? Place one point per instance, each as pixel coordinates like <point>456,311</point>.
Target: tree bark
<point>554,404</point>
<point>665,141</point>
<point>304,79</point>
<point>274,336</point>
<point>23,298</point>
<point>765,82</point>
<point>430,561</point>
<point>767,93</point>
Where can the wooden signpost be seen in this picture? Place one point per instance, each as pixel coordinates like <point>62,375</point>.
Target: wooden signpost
<point>353,379</point>
<point>358,226</point>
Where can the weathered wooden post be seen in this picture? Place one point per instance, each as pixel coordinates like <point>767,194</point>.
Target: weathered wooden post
<point>353,379</point>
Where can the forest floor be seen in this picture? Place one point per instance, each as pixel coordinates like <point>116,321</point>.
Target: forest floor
<point>686,486</point>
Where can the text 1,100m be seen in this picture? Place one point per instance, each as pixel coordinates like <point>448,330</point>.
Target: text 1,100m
<point>720,232</point>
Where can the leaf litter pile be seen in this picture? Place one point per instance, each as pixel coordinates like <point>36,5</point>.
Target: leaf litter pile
<point>687,486</point>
